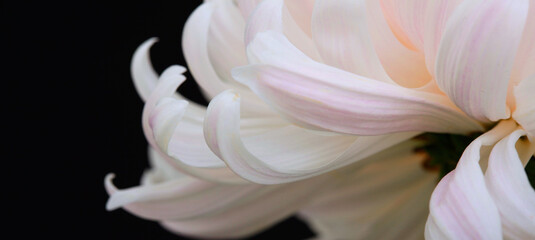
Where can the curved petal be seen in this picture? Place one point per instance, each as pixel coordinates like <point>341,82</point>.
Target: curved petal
<point>406,19</point>
<point>524,65</point>
<point>194,44</point>
<point>253,213</point>
<point>510,188</point>
<point>169,81</point>
<point>284,155</point>
<point>524,113</point>
<point>274,16</point>
<point>143,74</point>
<point>406,67</point>
<point>385,199</point>
<point>321,97</point>
<point>461,206</point>
<point>301,12</point>
<point>437,14</point>
<point>226,48</point>
<point>476,55</point>
<point>340,32</point>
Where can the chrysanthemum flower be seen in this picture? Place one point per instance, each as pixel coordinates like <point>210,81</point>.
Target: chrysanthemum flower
<point>313,108</point>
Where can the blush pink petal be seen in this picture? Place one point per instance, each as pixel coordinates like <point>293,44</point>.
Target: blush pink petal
<point>340,32</point>
<point>437,15</point>
<point>510,188</point>
<point>320,97</point>
<point>406,18</point>
<point>476,55</point>
<point>461,207</point>
<point>405,66</point>
<point>286,154</point>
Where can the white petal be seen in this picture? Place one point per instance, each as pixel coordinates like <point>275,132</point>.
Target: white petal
<point>321,97</point>
<point>143,74</point>
<point>226,48</point>
<point>274,16</point>
<point>510,188</point>
<point>340,32</point>
<point>253,213</point>
<point>385,199</point>
<point>284,155</point>
<point>169,81</point>
<point>195,46</point>
<point>404,66</point>
<point>524,113</point>
<point>461,206</point>
<point>476,55</point>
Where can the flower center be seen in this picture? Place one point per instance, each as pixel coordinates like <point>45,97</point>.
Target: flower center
<point>445,150</point>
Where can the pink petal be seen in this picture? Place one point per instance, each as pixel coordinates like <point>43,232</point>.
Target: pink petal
<point>404,66</point>
<point>321,97</point>
<point>510,188</point>
<point>286,154</point>
<point>301,12</point>
<point>437,15</point>
<point>476,55</point>
<point>340,31</point>
<point>406,19</point>
<point>461,206</point>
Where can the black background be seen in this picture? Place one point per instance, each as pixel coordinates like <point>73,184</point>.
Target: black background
<point>71,114</point>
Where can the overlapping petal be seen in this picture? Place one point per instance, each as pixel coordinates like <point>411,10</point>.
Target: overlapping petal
<point>318,96</point>
<point>406,19</point>
<point>286,154</point>
<point>389,193</point>
<point>510,188</point>
<point>205,209</point>
<point>405,66</point>
<point>340,31</point>
<point>461,206</point>
<point>476,55</point>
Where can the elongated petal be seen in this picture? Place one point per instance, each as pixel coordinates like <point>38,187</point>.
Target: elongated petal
<point>340,31</point>
<point>437,14</point>
<point>318,96</point>
<point>406,19</point>
<point>385,199</point>
<point>194,44</point>
<point>406,67</point>
<point>525,107</point>
<point>461,206</point>
<point>225,39</point>
<point>476,55</point>
<point>171,113</point>
<point>252,214</point>
<point>247,7</point>
<point>510,188</point>
<point>143,74</point>
<point>283,155</point>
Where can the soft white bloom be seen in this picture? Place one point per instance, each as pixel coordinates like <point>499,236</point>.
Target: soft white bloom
<point>312,104</point>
